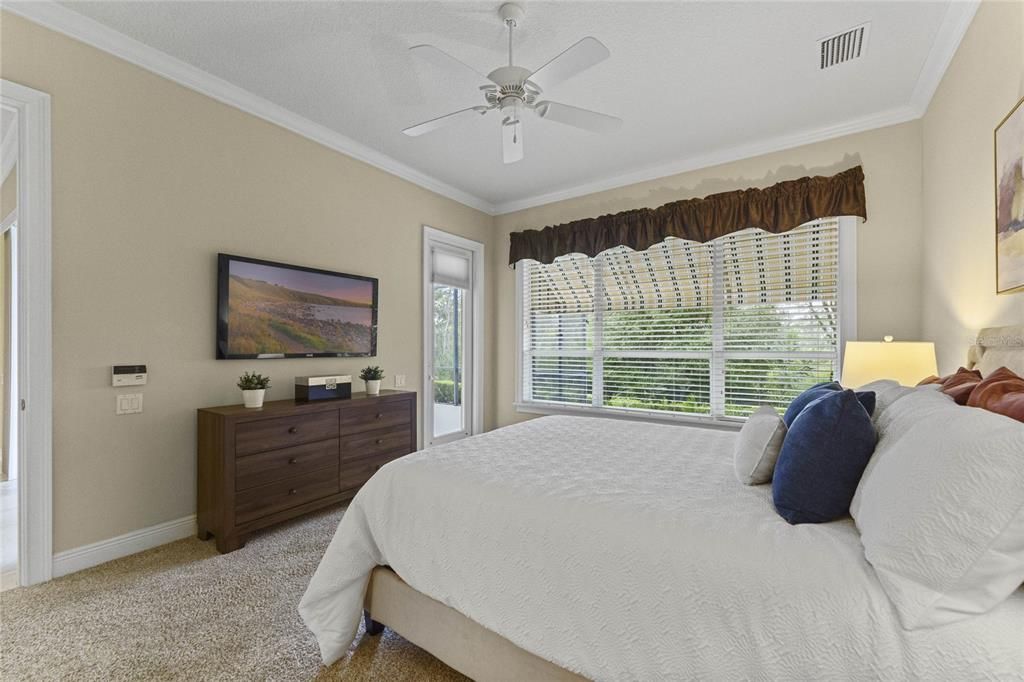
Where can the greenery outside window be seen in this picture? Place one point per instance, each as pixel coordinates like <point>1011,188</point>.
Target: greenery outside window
<point>701,330</point>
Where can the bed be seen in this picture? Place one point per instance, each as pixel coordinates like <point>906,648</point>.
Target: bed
<point>569,546</point>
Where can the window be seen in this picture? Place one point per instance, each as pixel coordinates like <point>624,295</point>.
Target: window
<point>685,329</point>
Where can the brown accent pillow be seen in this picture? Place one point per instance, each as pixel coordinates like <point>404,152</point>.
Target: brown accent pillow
<point>1001,392</point>
<point>959,385</point>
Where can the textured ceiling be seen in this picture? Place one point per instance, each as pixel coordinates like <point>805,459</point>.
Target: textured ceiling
<point>687,78</point>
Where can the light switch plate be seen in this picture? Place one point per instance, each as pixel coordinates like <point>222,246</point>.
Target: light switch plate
<point>129,403</point>
<point>399,380</point>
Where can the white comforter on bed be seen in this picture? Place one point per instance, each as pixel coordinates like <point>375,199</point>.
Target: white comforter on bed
<point>628,551</point>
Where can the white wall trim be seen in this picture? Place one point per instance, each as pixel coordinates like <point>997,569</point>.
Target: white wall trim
<point>8,580</point>
<point>769,146</point>
<point>959,16</point>
<point>954,26</point>
<point>63,20</point>
<point>101,552</point>
<point>848,230</point>
<point>34,339</point>
<point>433,235</point>
<point>951,32</point>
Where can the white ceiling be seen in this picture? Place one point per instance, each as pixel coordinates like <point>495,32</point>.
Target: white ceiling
<point>689,79</point>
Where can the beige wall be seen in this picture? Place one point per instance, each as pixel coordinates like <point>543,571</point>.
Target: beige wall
<point>982,84</point>
<point>888,244</point>
<point>150,181</point>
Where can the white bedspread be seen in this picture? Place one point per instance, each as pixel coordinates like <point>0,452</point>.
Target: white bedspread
<point>628,551</point>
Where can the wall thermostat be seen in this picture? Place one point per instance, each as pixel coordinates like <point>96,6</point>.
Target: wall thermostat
<point>128,375</point>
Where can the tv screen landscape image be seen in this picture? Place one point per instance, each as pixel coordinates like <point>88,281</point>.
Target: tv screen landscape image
<point>274,310</point>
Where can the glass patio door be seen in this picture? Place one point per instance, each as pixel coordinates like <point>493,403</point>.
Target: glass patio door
<point>448,399</point>
<point>449,361</point>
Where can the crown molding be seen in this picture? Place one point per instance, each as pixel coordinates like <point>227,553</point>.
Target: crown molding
<point>716,158</point>
<point>48,13</point>
<point>959,16</point>
<point>957,20</point>
<point>91,32</point>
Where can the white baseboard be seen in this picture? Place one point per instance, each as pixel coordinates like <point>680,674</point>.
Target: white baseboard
<point>8,580</point>
<point>101,552</point>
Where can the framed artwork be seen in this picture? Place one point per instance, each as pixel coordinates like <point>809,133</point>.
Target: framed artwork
<point>1009,138</point>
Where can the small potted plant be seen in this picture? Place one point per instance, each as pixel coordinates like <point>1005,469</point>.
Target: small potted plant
<point>372,377</point>
<point>254,386</point>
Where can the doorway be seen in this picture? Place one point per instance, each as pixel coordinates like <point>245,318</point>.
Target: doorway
<point>452,336</point>
<point>8,337</point>
<point>27,395</point>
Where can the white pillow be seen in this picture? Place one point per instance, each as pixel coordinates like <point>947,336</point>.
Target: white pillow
<point>941,509</point>
<point>758,446</point>
<point>886,393</point>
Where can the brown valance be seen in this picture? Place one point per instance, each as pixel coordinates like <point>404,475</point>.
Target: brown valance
<point>778,208</point>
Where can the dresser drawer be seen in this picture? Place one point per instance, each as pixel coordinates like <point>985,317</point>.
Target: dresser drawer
<point>289,492</point>
<point>283,432</point>
<point>356,472</point>
<point>376,442</point>
<point>274,465</point>
<point>379,416</point>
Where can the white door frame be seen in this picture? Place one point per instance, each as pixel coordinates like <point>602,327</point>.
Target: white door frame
<point>34,333</point>
<point>476,417</point>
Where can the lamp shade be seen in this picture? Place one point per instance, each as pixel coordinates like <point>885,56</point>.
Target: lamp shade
<point>902,361</point>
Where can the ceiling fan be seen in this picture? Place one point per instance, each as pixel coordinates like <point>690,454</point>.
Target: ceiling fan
<point>513,89</point>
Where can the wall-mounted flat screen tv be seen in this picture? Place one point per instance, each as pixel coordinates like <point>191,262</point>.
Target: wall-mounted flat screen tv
<point>274,310</point>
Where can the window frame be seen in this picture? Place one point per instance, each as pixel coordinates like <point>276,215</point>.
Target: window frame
<point>847,313</point>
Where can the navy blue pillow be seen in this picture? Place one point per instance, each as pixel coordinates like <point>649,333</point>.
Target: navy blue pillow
<point>807,397</point>
<point>823,458</point>
<point>867,399</point>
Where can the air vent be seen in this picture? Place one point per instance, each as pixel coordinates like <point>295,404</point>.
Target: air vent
<point>843,47</point>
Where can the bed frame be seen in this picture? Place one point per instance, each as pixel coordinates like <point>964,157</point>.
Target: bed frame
<point>483,655</point>
<point>450,636</point>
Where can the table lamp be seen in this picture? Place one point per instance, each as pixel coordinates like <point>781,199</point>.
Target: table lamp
<point>907,362</point>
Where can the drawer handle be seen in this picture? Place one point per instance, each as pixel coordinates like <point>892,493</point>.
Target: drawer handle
<point>293,429</point>
<point>379,441</point>
<point>380,415</point>
<point>293,460</point>
<point>292,491</point>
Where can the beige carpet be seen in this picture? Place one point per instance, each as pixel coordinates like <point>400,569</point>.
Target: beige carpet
<point>182,611</point>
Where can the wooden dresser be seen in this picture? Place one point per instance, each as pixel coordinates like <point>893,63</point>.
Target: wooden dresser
<point>261,466</point>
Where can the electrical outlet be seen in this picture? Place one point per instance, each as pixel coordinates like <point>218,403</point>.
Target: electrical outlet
<point>129,403</point>
<point>399,380</point>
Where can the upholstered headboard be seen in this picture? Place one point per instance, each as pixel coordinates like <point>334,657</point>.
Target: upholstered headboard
<point>998,347</point>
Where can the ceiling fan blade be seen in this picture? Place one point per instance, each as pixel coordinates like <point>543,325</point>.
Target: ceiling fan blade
<point>451,65</point>
<point>435,123</point>
<point>512,141</point>
<point>576,59</point>
<point>581,118</point>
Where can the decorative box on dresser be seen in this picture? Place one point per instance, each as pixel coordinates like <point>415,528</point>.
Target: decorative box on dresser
<point>258,467</point>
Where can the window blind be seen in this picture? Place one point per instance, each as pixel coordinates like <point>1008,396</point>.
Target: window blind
<point>713,329</point>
